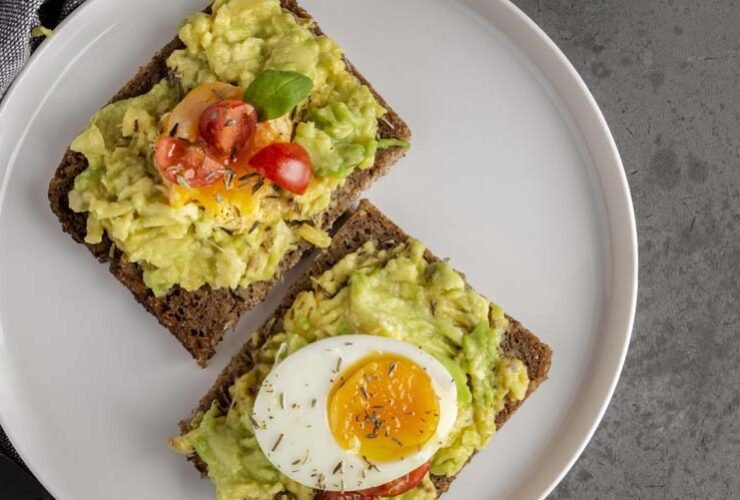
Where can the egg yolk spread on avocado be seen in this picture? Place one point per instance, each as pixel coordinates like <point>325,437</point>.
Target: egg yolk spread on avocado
<point>384,409</point>
<point>182,237</point>
<point>394,293</point>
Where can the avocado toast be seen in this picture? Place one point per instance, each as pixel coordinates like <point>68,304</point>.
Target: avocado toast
<point>368,251</point>
<point>220,270</point>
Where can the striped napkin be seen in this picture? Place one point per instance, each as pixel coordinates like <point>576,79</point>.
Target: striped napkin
<point>17,19</point>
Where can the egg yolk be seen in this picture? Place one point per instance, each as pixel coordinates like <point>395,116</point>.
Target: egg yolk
<point>384,408</point>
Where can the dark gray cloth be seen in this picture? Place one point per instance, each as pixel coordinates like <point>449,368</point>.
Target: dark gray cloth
<point>17,19</point>
<point>16,482</point>
<point>7,449</point>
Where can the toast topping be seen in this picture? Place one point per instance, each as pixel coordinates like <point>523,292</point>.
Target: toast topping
<point>388,293</point>
<point>214,175</point>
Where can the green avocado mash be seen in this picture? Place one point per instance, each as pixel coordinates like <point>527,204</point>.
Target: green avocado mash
<point>394,293</point>
<point>183,243</point>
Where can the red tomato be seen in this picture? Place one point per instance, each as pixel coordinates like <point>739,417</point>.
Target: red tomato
<point>226,126</point>
<point>392,488</point>
<point>286,164</point>
<point>400,485</point>
<point>187,164</point>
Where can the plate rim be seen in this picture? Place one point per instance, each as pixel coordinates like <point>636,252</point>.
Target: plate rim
<point>551,53</point>
<point>632,258</point>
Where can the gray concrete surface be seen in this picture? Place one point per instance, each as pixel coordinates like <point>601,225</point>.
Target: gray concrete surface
<point>665,73</point>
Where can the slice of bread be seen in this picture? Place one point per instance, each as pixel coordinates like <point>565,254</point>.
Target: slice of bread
<point>365,224</point>
<point>199,319</point>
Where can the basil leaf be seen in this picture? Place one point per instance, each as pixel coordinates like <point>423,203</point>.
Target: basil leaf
<point>276,93</point>
<point>390,143</point>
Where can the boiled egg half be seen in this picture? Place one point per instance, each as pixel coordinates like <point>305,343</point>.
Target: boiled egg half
<point>354,411</point>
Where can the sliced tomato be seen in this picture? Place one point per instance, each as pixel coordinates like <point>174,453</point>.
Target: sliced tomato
<point>390,489</point>
<point>286,164</point>
<point>226,126</point>
<point>181,162</point>
<point>400,485</point>
<point>184,120</point>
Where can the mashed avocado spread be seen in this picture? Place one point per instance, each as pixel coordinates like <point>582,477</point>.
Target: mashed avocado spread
<point>186,243</point>
<point>389,292</point>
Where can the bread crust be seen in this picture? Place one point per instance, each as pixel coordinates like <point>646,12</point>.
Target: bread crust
<point>199,319</point>
<point>365,224</point>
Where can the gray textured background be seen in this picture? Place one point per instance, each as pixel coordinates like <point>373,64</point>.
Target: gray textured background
<point>665,73</point>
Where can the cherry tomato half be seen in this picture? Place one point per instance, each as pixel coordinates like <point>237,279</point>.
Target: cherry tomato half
<point>392,488</point>
<point>226,126</point>
<point>184,119</point>
<point>181,162</point>
<point>400,485</point>
<point>286,164</point>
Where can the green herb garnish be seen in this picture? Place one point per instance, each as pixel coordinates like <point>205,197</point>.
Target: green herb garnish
<point>246,177</point>
<point>393,143</point>
<point>258,185</point>
<point>277,443</point>
<point>183,182</point>
<point>276,93</point>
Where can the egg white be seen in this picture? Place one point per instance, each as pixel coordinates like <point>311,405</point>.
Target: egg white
<point>292,423</point>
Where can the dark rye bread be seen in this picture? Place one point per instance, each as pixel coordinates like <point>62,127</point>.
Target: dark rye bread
<point>365,224</point>
<point>199,319</point>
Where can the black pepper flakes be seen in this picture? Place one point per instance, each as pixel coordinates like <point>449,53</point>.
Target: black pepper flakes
<point>277,443</point>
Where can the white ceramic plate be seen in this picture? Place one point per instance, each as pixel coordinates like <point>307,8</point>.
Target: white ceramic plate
<point>513,174</point>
